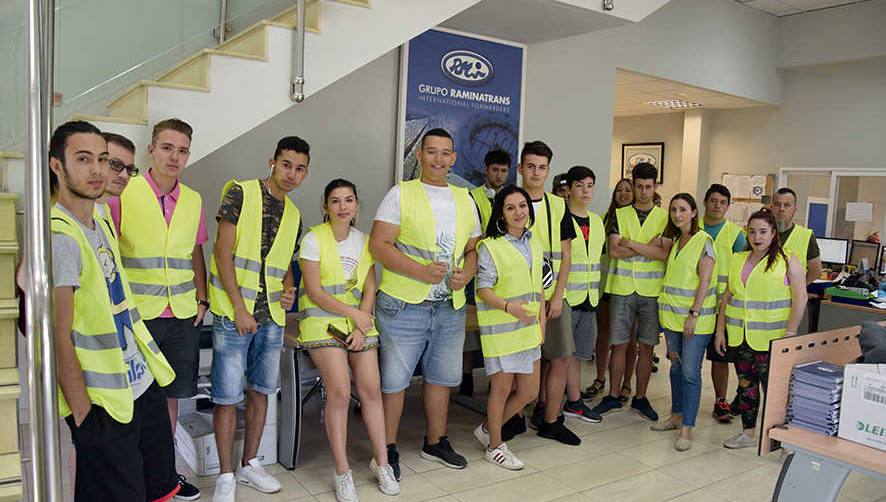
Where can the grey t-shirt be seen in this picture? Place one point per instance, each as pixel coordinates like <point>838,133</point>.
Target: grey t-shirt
<point>66,266</point>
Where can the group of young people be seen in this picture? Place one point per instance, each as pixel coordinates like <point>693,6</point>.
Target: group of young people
<point>131,292</point>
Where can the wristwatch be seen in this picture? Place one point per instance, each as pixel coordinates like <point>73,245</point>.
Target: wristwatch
<point>204,303</point>
<point>694,313</point>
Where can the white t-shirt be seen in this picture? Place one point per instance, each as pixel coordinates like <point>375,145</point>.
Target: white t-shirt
<point>443,209</point>
<point>349,250</point>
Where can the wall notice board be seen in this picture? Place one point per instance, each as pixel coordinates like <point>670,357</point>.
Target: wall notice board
<point>750,192</point>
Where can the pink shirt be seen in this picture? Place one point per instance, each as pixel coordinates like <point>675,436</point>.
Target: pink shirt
<point>749,267</point>
<point>167,203</point>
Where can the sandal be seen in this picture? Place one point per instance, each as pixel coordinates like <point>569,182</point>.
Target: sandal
<point>593,390</point>
<point>624,396</point>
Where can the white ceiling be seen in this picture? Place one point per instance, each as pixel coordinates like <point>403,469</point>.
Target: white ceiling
<point>787,7</point>
<point>633,92</point>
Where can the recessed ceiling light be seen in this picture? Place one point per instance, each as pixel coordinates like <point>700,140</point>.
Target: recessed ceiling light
<point>674,103</point>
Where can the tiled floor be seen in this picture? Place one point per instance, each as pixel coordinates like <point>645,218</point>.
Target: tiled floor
<point>619,459</point>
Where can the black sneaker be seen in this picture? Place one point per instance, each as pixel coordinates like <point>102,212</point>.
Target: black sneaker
<point>722,412</point>
<point>607,404</point>
<point>442,452</point>
<point>538,416</point>
<point>558,432</point>
<point>735,407</point>
<point>581,411</point>
<point>514,426</point>
<point>186,490</point>
<point>394,460</point>
<point>643,407</point>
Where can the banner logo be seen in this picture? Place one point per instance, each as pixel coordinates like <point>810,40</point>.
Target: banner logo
<point>466,67</point>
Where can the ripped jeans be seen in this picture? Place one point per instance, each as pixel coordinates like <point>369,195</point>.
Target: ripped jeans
<point>686,373</point>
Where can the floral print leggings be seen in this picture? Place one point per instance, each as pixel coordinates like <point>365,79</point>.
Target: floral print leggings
<point>752,368</point>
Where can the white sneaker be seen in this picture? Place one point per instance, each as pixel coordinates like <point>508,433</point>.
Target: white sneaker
<point>255,476</point>
<point>741,440</point>
<point>482,435</point>
<point>503,457</point>
<point>387,483</point>
<point>225,487</point>
<point>344,487</point>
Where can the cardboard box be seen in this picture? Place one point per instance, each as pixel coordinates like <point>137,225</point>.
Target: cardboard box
<point>195,441</point>
<point>863,405</point>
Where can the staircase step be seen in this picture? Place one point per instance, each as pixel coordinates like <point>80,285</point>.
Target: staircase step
<point>132,105</point>
<point>102,118</point>
<point>191,71</point>
<point>313,10</point>
<point>361,3</point>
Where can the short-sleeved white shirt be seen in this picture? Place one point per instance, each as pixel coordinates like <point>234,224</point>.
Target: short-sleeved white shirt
<point>349,250</point>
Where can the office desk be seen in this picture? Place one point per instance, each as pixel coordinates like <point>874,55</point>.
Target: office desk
<point>825,313</point>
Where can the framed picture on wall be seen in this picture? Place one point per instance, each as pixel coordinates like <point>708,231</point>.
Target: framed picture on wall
<point>634,153</point>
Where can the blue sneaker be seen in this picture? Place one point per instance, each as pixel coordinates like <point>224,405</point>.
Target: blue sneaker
<point>607,404</point>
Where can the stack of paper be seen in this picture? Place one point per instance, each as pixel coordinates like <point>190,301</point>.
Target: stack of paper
<point>814,401</point>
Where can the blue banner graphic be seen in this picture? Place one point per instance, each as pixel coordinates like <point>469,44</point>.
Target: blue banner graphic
<point>472,88</point>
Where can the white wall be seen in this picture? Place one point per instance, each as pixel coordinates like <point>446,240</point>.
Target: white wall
<point>667,127</point>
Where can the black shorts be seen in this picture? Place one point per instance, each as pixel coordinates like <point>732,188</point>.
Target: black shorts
<point>125,462</point>
<point>712,354</point>
<point>179,341</point>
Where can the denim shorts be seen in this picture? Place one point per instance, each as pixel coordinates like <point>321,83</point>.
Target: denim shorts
<point>432,332</point>
<point>623,310</point>
<point>257,355</point>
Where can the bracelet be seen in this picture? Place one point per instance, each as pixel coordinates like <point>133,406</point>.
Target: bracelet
<point>506,306</point>
<point>790,333</point>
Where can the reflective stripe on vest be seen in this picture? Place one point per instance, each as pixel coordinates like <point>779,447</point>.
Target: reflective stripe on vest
<point>247,255</point>
<point>157,256</point>
<point>723,247</point>
<point>417,239</point>
<point>500,332</point>
<point>551,250</point>
<point>798,244</point>
<point>681,283</point>
<point>638,274</point>
<point>94,329</point>
<point>484,207</point>
<point>757,312</point>
<point>315,319</point>
<point>584,269</point>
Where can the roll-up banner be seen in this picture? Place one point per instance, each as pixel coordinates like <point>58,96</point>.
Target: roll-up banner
<point>469,85</point>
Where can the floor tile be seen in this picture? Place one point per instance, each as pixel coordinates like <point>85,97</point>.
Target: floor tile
<point>538,487</point>
<point>707,468</point>
<point>597,471</point>
<point>649,486</point>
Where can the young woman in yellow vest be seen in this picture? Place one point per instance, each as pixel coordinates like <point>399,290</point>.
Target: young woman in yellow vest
<point>764,301</point>
<point>622,195</point>
<point>336,296</point>
<point>511,313</point>
<point>687,309</point>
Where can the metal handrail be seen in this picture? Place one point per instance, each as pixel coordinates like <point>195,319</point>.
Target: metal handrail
<point>222,20</point>
<point>46,484</point>
<point>297,83</point>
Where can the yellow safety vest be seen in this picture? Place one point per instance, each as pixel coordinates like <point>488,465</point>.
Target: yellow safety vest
<point>680,284</point>
<point>798,244</point>
<point>639,274</point>
<point>552,249</point>
<point>584,269</point>
<point>417,239</point>
<point>757,312</point>
<point>94,331</point>
<point>248,259</point>
<point>723,247</point>
<point>157,256</point>
<point>484,207</point>
<point>500,332</point>
<point>315,319</point>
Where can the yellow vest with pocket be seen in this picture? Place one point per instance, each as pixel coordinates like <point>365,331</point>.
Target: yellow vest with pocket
<point>757,312</point>
<point>680,284</point>
<point>639,274</point>
<point>584,269</point>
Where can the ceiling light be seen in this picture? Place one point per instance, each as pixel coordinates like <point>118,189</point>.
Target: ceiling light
<point>674,103</point>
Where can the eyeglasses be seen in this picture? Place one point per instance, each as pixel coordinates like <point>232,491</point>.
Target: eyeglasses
<point>118,166</point>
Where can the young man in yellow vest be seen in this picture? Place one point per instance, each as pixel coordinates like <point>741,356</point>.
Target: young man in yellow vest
<point>250,288</point>
<point>583,285</point>
<point>796,239</point>
<point>121,163</point>
<point>109,369</point>
<point>728,240</point>
<point>554,230</point>
<point>161,226</point>
<point>637,256</point>
<point>425,234</point>
<point>498,165</point>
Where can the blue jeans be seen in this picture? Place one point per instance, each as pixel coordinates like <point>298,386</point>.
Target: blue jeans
<point>686,373</point>
<point>431,331</point>
<point>255,355</point>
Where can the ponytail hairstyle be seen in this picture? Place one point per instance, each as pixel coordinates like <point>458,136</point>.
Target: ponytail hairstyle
<point>497,217</point>
<point>774,250</point>
<point>671,231</point>
<point>338,183</point>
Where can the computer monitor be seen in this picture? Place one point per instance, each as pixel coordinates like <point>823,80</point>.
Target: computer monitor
<point>833,251</point>
<point>864,249</point>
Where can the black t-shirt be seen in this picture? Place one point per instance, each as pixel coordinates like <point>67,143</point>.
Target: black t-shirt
<point>641,215</point>
<point>584,223</point>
